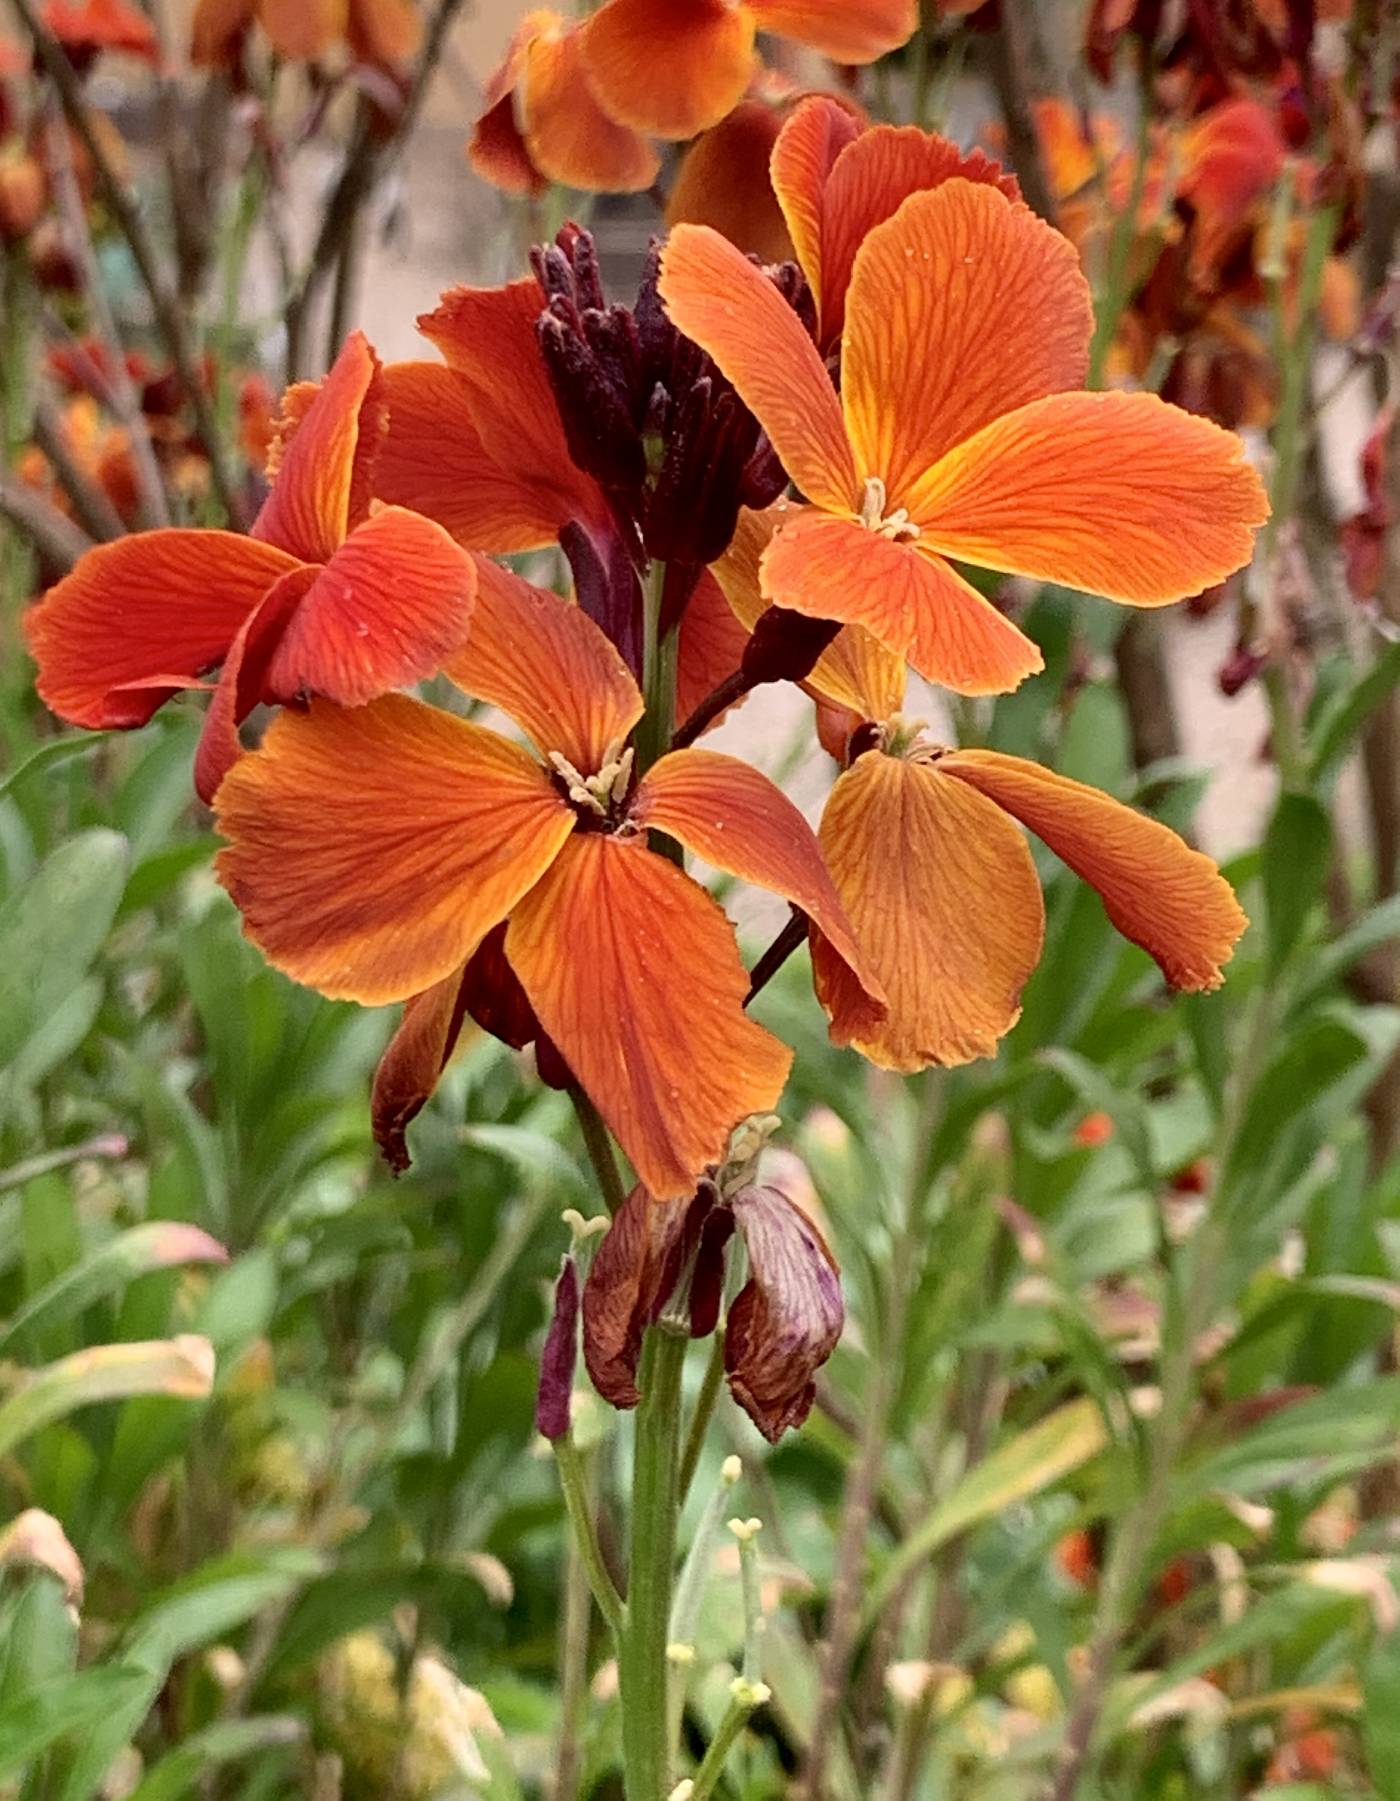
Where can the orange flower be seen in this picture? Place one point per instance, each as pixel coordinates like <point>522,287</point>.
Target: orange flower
<point>381,32</point>
<point>325,597</point>
<point>674,67</point>
<point>719,181</point>
<point>85,27</point>
<point>957,435</point>
<point>543,123</point>
<point>373,850</point>
<point>945,899</point>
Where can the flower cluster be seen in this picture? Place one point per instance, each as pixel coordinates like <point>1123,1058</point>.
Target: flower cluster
<point>755,475</point>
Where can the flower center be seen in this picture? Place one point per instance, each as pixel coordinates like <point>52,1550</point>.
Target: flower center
<point>596,796</point>
<point>902,736</point>
<point>897,526</point>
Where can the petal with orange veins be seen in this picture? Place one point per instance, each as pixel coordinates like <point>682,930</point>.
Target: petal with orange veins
<point>635,975</point>
<point>393,603</point>
<point>912,603</point>
<point>870,181</point>
<point>731,815</point>
<point>859,673</point>
<point>1161,894</point>
<point>715,295</point>
<point>488,336</point>
<point>433,461</point>
<point>372,848</point>
<point>672,67</point>
<point>165,603</point>
<point>717,183</point>
<point>711,647</point>
<point>847,31</point>
<point>816,133</point>
<point>413,1062</point>
<point>329,437</point>
<point>961,306</point>
<point>570,137</point>
<point>1119,494</point>
<point>946,903</point>
<point>541,659</point>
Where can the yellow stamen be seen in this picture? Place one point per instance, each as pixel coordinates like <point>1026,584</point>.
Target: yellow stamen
<point>897,526</point>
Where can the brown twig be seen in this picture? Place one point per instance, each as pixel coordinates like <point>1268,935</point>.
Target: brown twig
<point>733,688</point>
<point>1012,53</point>
<point>789,940</point>
<point>170,319</point>
<point>91,506</point>
<point>55,537</point>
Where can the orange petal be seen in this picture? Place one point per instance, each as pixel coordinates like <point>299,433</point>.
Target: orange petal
<point>217,29</point>
<point>382,32</point>
<point>434,462</point>
<point>634,973</point>
<point>731,815</point>
<point>711,646</point>
<point>570,137</point>
<point>162,603</point>
<point>718,183</point>
<point>816,133</point>
<point>671,67</point>
<point>371,849</point>
<point>946,903</point>
<point>329,439</point>
<point>848,31</point>
<point>715,295</point>
<point>541,659</point>
<point>488,336</point>
<point>391,605</point>
<point>870,181</point>
<point>915,605</point>
<point>1160,893</point>
<point>498,152</point>
<point>300,29</point>
<point>1119,494</point>
<point>413,1061</point>
<point>961,306</point>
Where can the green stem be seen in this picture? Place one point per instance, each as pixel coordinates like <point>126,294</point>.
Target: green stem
<point>599,1149</point>
<point>658,675</point>
<point>574,1483</point>
<point>642,1666</point>
<point>703,1414</point>
<point>1113,299</point>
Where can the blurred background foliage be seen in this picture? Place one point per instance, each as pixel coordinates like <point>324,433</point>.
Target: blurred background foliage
<point>1099,1496</point>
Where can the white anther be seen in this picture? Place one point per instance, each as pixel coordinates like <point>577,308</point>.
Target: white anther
<point>897,525</point>
<point>730,1471</point>
<point>750,1694</point>
<point>745,1530</point>
<point>680,1654</point>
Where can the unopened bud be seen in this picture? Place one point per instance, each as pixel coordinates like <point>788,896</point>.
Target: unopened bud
<point>680,1654</point>
<point>730,1471</point>
<point>750,1694</point>
<point>558,1357</point>
<point>744,1530</point>
<point>682,1791</point>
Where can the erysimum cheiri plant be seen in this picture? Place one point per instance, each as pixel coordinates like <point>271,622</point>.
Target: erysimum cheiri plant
<point>756,475</point>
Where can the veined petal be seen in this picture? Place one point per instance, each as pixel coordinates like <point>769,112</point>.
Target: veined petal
<point>716,183</point>
<point>946,903</point>
<point>371,849</point>
<point>869,181</point>
<point>671,67</point>
<point>323,461</point>
<point>388,609</point>
<point>731,815</point>
<point>912,603</point>
<point>413,1061</point>
<point>715,295</point>
<point>570,137</point>
<point>815,134</point>
<point>847,31</point>
<point>630,1280</point>
<point>1160,893</point>
<point>634,973</point>
<point>161,603</point>
<point>433,461</point>
<point>1119,494</point>
<point>711,646</point>
<point>542,660</point>
<point>497,149</point>
<point>961,306</point>
<point>488,336</point>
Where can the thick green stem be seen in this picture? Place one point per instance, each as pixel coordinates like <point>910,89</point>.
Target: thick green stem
<point>658,675</point>
<point>703,1414</point>
<point>642,1666</point>
<point>599,1148</point>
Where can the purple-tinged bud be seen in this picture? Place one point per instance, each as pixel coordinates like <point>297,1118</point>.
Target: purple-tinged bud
<point>612,337</point>
<point>601,437</point>
<point>559,1356</point>
<point>604,566</point>
<point>1239,669</point>
<point>785,646</point>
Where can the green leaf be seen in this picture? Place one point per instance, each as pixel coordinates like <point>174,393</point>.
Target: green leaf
<point>1123,1107</point>
<point>72,1704</point>
<point>52,928</point>
<point>181,1367</point>
<point>1332,736</point>
<point>160,1244</point>
<point>179,1774</point>
<point>214,1601</point>
<point>1374,930</point>
<point>1380,1713</point>
<point>1297,848</point>
<point>49,756</point>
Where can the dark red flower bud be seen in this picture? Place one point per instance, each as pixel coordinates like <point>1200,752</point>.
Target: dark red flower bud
<point>785,646</point>
<point>787,1318</point>
<point>559,1356</point>
<point>1239,669</point>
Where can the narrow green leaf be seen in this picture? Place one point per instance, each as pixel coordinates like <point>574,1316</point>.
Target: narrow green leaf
<point>181,1367</point>
<point>1297,847</point>
<point>49,756</point>
<point>179,1774</point>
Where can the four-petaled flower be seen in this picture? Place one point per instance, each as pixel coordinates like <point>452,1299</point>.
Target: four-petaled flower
<point>327,596</point>
<point>371,850</point>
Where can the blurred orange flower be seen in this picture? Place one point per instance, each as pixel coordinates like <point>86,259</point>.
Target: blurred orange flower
<point>372,851</point>
<point>543,121</point>
<point>956,435</point>
<point>325,597</point>
<point>674,67</point>
<point>382,32</point>
<point>89,26</point>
